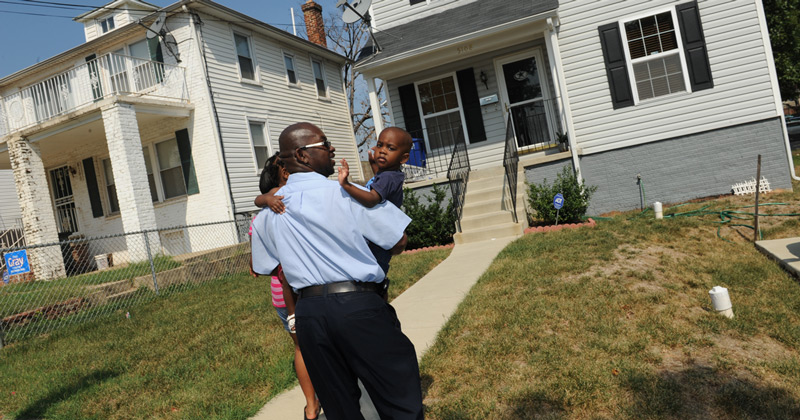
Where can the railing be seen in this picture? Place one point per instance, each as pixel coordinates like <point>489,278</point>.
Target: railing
<point>536,125</point>
<point>109,275</point>
<point>458,175</point>
<point>510,164</point>
<point>432,151</point>
<point>110,74</point>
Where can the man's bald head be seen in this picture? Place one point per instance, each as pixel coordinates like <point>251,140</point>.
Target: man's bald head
<point>297,158</point>
<point>296,136</point>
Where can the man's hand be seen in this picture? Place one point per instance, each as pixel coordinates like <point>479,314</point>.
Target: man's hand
<point>344,172</point>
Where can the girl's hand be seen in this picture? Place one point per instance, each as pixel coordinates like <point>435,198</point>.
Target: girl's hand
<point>275,203</point>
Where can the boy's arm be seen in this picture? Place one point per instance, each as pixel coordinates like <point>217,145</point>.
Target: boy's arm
<point>369,198</point>
<point>269,199</point>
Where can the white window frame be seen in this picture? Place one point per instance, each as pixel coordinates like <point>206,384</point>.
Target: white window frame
<point>265,127</point>
<point>250,46</point>
<point>158,169</point>
<point>109,210</point>
<point>106,19</point>
<point>151,157</point>
<point>321,62</point>
<point>630,62</point>
<point>422,115</point>
<point>289,55</point>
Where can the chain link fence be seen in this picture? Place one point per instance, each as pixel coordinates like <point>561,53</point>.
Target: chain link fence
<point>84,278</point>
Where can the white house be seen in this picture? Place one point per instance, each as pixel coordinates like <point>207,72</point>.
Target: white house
<point>660,100</point>
<point>163,117</point>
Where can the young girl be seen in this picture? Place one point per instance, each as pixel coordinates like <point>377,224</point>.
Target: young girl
<point>272,178</point>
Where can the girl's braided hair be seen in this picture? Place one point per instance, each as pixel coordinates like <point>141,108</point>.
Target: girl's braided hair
<point>271,174</point>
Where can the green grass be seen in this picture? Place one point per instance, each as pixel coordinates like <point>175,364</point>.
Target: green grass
<point>213,351</point>
<point>615,322</point>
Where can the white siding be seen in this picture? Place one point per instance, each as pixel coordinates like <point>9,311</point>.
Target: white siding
<point>742,89</point>
<point>389,13</point>
<point>271,100</point>
<point>9,205</point>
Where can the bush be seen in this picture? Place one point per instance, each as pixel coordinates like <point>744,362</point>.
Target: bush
<point>576,198</point>
<point>432,224</point>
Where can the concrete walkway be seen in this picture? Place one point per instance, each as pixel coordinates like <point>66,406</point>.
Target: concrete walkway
<point>423,309</point>
<point>785,251</point>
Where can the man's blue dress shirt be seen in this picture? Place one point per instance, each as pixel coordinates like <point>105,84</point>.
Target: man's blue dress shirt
<point>320,237</point>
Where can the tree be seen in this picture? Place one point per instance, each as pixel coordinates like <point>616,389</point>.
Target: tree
<point>783,21</point>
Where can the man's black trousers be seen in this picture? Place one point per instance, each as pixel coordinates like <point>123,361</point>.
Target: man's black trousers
<point>356,335</point>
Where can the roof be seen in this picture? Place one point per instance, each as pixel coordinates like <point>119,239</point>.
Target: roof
<point>450,23</point>
<point>205,6</point>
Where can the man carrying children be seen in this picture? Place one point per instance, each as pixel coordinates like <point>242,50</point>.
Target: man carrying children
<point>345,329</point>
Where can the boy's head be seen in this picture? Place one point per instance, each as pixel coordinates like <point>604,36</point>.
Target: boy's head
<point>392,149</point>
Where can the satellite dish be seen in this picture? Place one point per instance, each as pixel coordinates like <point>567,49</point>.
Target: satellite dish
<point>355,10</point>
<point>155,29</point>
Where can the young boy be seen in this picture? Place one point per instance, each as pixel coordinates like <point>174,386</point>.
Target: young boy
<point>386,159</point>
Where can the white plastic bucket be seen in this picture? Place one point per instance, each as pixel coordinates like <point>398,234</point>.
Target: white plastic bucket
<point>658,210</point>
<point>102,261</point>
<point>721,301</point>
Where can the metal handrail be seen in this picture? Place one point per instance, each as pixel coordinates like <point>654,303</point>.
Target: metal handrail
<point>510,165</point>
<point>80,86</point>
<point>458,175</point>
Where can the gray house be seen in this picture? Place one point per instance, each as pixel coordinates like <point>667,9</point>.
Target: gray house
<point>672,98</point>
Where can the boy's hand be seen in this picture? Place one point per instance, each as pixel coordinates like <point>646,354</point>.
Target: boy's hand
<point>275,203</point>
<point>344,172</point>
<point>371,157</point>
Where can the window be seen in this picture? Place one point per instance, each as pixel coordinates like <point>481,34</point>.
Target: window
<point>260,147</point>
<point>413,2</point>
<point>288,60</point>
<point>654,55</point>
<point>246,67</point>
<point>441,112</point>
<point>107,24</point>
<point>170,169</point>
<point>659,54</point>
<point>111,190</point>
<point>151,178</point>
<point>319,78</point>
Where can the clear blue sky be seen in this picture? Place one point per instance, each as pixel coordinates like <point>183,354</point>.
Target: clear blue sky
<point>28,39</point>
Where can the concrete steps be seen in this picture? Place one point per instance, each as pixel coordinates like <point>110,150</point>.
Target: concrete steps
<point>485,215</point>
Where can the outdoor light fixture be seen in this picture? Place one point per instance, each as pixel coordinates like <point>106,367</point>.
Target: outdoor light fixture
<point>484,79</point>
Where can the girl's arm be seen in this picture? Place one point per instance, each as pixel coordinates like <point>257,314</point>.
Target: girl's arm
<point>369,198</point>
<point>269,199</point>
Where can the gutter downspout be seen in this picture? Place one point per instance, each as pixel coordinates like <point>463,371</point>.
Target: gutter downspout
<point>773,76</point>
<point>215,120</point>
<point>552,46</point>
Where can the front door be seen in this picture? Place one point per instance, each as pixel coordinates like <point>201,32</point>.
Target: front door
<point>64,201</point>
<point>525,99</point>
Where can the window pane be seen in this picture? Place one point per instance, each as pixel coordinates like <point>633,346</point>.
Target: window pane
<point>522,80</point>
<point>657,69</point>
<point>452,100</point>
<point>262,154</point>
<point>242,47</point>
<point>321,90</point>
<point>633,30</point>
<point>676,83</point>
<point>140,50</point>
<point>168,155</point>
<point>108,172</point>
<point>636,47</point>
<point>668,41</point>
<point>151,180</point>
<point>172,181</point>
<point>652,45</point>
<point>660,86</point>
<point>257,134</point>
<point>436,88</point>
<point>644,89</point>
<point>443,129</point>
<point>320,79</point>
<point>246,68</point>
<point>113,203</point>
<point>317,70</point>
<point>659,76</point>
<point>439,104</point>
<point>438,95</point>
<point>289,61</point>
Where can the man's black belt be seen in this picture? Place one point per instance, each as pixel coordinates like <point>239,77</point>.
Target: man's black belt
<point>341,287</point>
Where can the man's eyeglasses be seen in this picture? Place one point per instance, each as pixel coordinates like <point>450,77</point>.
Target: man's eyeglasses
<point>325,143</point>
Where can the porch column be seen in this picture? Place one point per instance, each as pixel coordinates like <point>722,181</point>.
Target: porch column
<point>130,179</point>
<point>38,217</point>
<point>557,69</point>
<point>377,115</point>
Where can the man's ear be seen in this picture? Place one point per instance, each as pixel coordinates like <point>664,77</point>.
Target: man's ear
<point>405,158</point>
<point>299,157</point>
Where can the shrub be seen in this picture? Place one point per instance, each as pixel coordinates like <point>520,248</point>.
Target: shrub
<point>432,223</point>
<point>576,198</point>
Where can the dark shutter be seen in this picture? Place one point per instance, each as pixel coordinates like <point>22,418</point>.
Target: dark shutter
<point>408,104</point>
<point>471,104</point>
<point>694,46</point>
<point>91,185</point>
<point>185,150</point>
<point>616,67</point>
<point>413,2</point>
<point>154,45</point>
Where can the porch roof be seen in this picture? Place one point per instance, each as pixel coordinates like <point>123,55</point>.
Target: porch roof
<point>449,27</point>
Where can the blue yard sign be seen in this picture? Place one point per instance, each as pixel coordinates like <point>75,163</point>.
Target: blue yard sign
<point>558,201</point>
<point>17,263</point>
<point>6,277</point>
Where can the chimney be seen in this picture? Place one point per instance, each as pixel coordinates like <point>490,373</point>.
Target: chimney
<point>315,28</point>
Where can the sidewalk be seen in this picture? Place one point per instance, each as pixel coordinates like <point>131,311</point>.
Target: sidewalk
<point>785,251</point>
<point>422,309</point>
